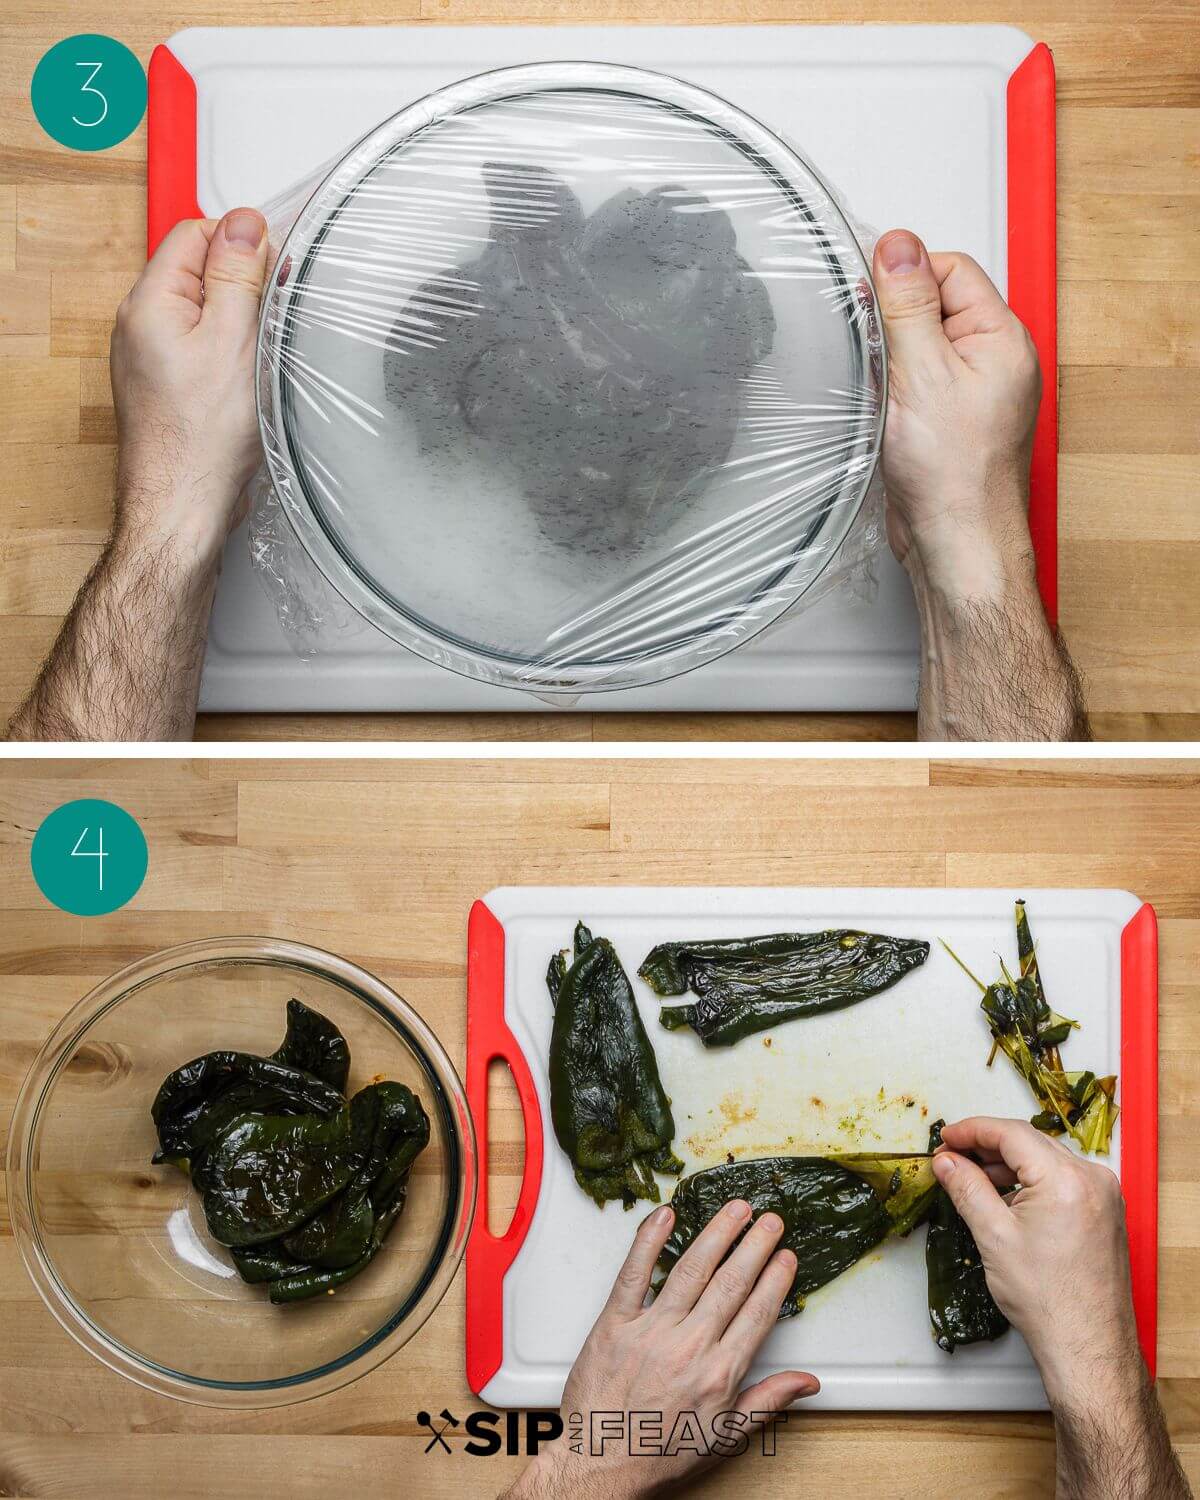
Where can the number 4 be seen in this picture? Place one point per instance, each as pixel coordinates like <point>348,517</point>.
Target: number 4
<point>97,854</point>
<point>88,89</point>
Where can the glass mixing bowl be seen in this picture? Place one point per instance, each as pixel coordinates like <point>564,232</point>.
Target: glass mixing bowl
<point>119,1250</point>
<point>568,377</point>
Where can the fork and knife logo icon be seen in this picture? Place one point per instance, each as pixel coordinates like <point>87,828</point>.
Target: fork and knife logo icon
<point>448,1420</point>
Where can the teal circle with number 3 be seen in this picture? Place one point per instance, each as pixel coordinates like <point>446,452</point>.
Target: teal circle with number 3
<point>89,857</point>
<point>89,92</point>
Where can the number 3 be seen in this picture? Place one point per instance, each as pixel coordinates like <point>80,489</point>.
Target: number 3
<point>88,89</point>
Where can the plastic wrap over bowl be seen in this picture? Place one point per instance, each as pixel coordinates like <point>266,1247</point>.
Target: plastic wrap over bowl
<point>569,377</point>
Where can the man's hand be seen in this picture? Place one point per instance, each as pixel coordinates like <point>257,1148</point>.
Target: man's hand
<point>1057,1263</point>
<point>126,664</point>
<point>1053,1250</point>
<point>689,1351</point>
<point>964,391</point>
<point>182,364</point>
<point>964,387</point>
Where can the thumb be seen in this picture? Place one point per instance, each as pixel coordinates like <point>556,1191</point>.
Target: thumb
<point>235,268</point>
<point>974,1196</point>
<point>775,1394</point>
<point>910,299</point>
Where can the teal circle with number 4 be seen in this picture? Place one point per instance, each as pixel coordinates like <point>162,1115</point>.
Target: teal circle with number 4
<point>89,92</point>
<point>89,857</point>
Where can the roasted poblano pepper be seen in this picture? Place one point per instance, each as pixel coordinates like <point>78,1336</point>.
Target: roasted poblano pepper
<point>313,1044</point>
<point>300,1184</point>
<point>1030,1035</point>
<point>834,1209</point>
<point>745,985</point>
<point>202,1098</point>
<point>607,1103</point>
<point>961,1309</point>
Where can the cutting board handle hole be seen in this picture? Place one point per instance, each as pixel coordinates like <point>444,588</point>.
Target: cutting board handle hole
<point>506,1147</point>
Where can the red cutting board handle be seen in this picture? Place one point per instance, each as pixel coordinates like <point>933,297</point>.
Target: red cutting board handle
<point>489,1039</point>
<point>1139,1119</point>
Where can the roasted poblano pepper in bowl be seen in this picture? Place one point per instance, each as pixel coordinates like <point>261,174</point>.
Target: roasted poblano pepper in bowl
<point>242,1172</point>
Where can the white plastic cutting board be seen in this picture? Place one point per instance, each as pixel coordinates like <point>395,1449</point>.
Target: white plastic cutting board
<point>275,103</point>
<point>839,1081</point>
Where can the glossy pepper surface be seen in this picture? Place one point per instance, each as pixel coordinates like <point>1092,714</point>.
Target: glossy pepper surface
<point>834,1209</point>
<point>610,1113</point>
<point>746,985</point>
<point>961,1308</point>
<point>300,1184</point>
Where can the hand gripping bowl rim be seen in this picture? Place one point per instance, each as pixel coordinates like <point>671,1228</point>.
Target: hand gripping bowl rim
<point>331,557</point>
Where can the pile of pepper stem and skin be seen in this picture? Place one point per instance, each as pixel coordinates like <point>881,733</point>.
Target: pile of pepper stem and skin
<point>836,1209</point>
<point>607,1104</point>
<point>300,1183</point>
<point>746,985</point>
<point>1030,1035</point>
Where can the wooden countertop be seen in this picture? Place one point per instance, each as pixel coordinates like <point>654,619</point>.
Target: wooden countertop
<point>380,861</point>
<point>72,240</point>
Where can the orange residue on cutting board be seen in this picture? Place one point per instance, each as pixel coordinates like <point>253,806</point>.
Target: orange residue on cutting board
<point>862,1121</point>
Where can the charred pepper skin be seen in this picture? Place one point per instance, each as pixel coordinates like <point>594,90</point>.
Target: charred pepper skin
<point>746,985</point>
<point>600,360</point>
<point>961,1308</point>
<point>834,1209</point>
<point>610,1113</point>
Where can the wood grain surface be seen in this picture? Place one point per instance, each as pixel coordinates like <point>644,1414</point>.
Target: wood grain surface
<point>379,861</point>
<point>71,242</point>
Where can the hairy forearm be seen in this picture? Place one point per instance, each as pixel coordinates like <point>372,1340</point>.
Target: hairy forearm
<point>991,667</point>
<point>126,664</point>
<point>1115,1446</point>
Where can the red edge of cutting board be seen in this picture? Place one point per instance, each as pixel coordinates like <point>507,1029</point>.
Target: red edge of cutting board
<point>1032,289</point>
<point>488,1039</point>
<point>170,147</point>
<point>1139,1118</point>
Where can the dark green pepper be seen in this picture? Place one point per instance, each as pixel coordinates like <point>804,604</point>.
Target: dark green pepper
<point>301,1186</point>
<point>746,985</point>
<point>607,1103</point>
<point>199,1100</point>
<point>313,1044</point>
<point>305,1282</point>
<point>961,1308</point>
<point>388,1130</point>
<point>266,1174</point>
<point>305,1075</point>
<point>834,1209</point>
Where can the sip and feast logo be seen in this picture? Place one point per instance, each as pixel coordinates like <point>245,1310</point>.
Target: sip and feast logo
<point>640,1434</point>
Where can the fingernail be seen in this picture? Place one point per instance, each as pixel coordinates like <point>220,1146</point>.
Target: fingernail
<point>661,1215</point>
<point>772,1223</point>
<point>245,228</point>
<point>787,1259</point>
<point>943,1164</point>
<point>737,1209</point>
<point>900,253</point>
